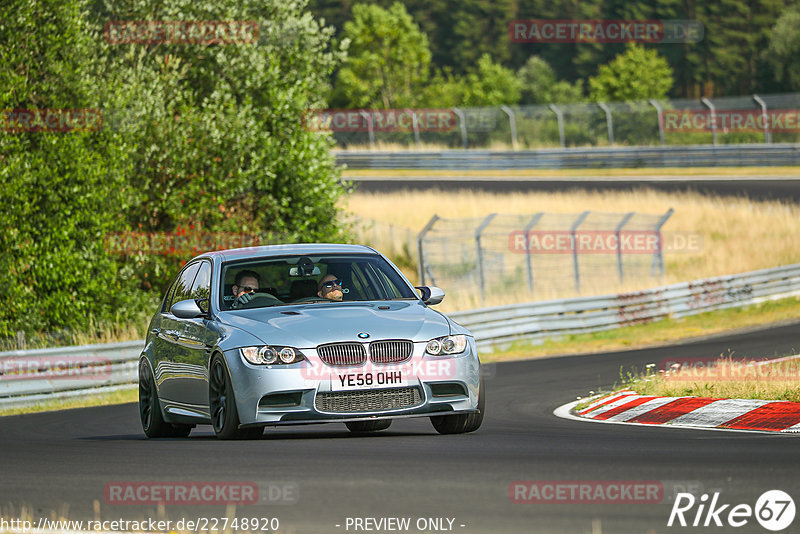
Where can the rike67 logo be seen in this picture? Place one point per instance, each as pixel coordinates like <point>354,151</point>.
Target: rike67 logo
<point>774,510</point>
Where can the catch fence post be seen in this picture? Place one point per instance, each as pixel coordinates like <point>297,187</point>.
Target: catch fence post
<point>512,123</point>
<point>767,133</point>
<point>617,230</point>
<point>655,104</point>
<point>713,111</point>
<point>528,268</point>
<point>560,118</point>
<point>658,255</point>
<point>415,125</point>
<point>609,122</point>
<point>478,232</point>
<point>462,122</point>
<point>371,131</point>
<point>574,244</point>
<point>420,252</point>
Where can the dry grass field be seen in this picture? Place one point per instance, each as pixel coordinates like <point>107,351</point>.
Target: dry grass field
<point>738,234</point>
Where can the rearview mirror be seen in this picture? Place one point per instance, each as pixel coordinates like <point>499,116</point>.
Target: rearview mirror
<point>296,271</point>
<point>186,309</point>
<point>431,295</point>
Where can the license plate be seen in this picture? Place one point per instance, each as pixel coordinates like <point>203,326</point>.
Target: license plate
<point>367,380</point>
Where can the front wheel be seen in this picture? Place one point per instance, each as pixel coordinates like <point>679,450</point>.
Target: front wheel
<point>462,423</point>
<point>358,427</point>
<point>150,414</point>
<point>222,404</point>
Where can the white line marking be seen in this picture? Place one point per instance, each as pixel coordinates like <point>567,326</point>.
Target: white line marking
<point>718,412</point>
<point>645,407</point>
<point>610,406</point>
<point>601,399</point>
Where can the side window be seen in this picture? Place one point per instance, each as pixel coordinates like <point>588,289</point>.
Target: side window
<point>183,285</point>
<point>201,288</point>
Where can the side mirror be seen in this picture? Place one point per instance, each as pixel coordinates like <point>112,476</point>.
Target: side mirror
<point>431,295</point>
<point>186,309</point>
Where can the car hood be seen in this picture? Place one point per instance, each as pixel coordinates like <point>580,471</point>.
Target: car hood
<point>309,325</point>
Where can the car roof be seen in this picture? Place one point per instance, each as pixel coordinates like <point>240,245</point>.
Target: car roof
<point>281,250</point>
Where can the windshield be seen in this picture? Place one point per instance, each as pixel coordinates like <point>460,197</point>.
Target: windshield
<point>322,278</point>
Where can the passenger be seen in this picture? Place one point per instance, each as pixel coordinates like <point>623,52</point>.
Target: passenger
<point>245,285</point>
<point>330,288</point>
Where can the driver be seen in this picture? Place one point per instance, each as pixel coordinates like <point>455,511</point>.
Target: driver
<point>330,288</point>
<point>245,284</point>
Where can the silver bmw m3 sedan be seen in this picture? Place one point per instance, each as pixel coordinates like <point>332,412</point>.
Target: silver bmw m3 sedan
<point>295,334</point>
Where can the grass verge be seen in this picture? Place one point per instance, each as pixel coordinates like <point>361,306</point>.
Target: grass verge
<point>101,399</point>
<point>725,378</point>
<point>655,333</point>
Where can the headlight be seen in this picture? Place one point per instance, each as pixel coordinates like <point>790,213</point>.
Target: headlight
<point>447,345</point>
<point>268,355</point>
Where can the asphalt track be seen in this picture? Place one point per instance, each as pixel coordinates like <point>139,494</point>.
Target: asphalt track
<point>62,461</point>
<point>759,188</point>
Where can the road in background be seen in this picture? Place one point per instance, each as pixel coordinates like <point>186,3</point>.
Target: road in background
<point>760,188</point>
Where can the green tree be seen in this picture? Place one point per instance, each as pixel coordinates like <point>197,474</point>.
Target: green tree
<point>388,59</point>
<point>210,136</point>
<point>783,52</point>
<point>56,187</point>
<point>490,84</point>
<point>637,74</point>
<point>539,84</point>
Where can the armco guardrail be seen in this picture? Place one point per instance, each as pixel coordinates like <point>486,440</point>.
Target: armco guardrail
<point>540,320</point>
<point>33,376</point>
<point>785,154</point>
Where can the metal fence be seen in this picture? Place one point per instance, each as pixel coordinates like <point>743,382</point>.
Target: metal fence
<point>725,120</point>
<point>533,322</point>
<point>495,253</point>
<point>759,155</point>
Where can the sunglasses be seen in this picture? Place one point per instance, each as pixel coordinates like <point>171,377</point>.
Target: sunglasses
<point>248,289</point>
<point>330,283</point>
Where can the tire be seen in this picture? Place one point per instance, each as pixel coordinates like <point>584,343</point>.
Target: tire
<point>358,427</point>
<point>462,423</point>
<point>222,404</point>
<point>150,414</point>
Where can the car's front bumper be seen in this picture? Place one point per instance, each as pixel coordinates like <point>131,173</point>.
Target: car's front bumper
<point>305,392</point>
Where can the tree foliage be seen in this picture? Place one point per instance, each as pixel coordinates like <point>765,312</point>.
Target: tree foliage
<point>637,74</point>
<point>388,59</point>
<point>205,136</point>
<point>540,86</point>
